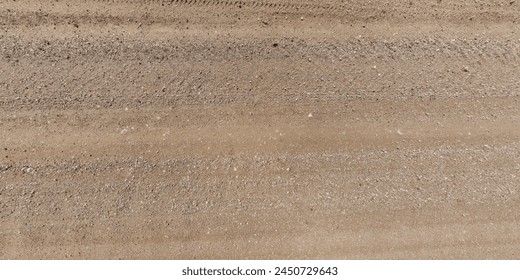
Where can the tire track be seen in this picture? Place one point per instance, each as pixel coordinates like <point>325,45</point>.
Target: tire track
<point>121,48</point>
<point>358,11</point>
<point>351,10</point>
<point>284,7</point>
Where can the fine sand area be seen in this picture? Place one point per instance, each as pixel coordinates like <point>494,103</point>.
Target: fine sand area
<point>221,129</point>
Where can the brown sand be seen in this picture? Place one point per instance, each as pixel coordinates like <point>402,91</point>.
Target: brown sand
<point>194,129</point>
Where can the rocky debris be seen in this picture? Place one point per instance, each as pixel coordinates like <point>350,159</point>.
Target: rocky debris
<point>5,167</point>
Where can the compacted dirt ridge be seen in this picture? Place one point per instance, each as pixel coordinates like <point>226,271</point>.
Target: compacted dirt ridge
<point>194,129</point>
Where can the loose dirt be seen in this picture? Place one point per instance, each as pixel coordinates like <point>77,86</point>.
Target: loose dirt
<point>200,129</point>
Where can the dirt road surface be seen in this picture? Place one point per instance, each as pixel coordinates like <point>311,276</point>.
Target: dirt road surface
<point>222,129</point>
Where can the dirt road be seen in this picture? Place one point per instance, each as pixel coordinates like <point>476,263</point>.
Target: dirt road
<point>193,129</point>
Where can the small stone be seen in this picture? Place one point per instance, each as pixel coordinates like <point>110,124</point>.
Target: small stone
<point>5,167</point>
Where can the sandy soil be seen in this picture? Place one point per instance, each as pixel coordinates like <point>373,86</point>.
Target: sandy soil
<point>193,129</point>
